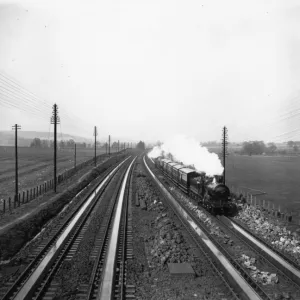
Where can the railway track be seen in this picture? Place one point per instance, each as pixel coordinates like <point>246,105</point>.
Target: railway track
<point>38,281</point>
<point>111,248</point>
<point>266,261</point>
<point>220,261</point>
<point>287,283</point>
<point>287,264</point>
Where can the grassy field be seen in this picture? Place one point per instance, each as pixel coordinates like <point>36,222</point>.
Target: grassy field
<point>35,166</point>
<point>278,176</point>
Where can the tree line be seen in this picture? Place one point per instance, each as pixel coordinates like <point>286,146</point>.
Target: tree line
<point>44,143</point>
<point>141,146</point>
<point>259,147</point>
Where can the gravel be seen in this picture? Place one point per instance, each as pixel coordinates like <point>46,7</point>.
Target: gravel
<point>159,239</point>
<point>271,230</point>
<point>259,271</point>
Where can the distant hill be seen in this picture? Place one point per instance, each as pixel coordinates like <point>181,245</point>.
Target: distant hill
<point>7,138</point>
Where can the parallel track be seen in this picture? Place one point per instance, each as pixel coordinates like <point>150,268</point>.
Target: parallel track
<point>113,282</point>
<point>229,282</point>
<point>34,282</point>
<point>285,284</point>
<point>103,239</point>
<point>286,264</point>
<point>289,281</point>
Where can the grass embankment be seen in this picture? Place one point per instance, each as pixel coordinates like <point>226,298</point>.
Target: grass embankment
<point>277,176</point>
<point>14,237</point>
<point>36,165</point>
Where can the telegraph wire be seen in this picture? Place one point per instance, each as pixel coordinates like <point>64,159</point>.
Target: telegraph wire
<point>13,98</point>
<point>295,113</point>
<point>13,105</point>
<point>283,118</point>
<point>288,132</point>
<point>36,103</point>
<point>45,103</point>
<point>13,94</point>
<point>36,106</point>
<point>60,131</point>
<point>10,101</point>
<point>10,105</point>
<point>23,97</point>
<point>287,135</point>
<point>49,132</point>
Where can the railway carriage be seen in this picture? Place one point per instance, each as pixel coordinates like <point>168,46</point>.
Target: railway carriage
<point>164,163</point>
<point>175,172</point>
<point>170,168</point>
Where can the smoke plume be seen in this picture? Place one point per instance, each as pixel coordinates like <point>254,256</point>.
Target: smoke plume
<point>189,152</point>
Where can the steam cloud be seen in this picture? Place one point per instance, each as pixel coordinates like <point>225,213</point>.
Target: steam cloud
<point>189,152</point>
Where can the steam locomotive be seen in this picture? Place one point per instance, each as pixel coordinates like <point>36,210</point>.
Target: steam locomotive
<point>209,192</point>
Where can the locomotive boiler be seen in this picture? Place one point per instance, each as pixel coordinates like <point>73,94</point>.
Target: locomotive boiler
<point>208,191</point>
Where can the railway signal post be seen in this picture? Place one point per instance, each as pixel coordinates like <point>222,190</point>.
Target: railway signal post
<point>109,145</point>
<point>95,134</point>
<point>55,120</point>
<point>224,149</point>
<point>75,156</point>
<point>16,127</point>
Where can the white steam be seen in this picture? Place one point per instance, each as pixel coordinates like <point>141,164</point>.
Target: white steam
<point>189,152</point>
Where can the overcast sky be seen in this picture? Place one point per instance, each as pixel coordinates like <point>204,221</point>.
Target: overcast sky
<point>151,69</point>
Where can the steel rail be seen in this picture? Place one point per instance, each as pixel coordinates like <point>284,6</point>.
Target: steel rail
<point>122,247</point>
<point>286,265</point>
<point>70,243</point>
<point>106,234</point>
<point>290,266</point>
<point>235,272</point>
<point>32,275</point>
<point>261,253</point>
<point>202,248</point>
<point>107,285</point>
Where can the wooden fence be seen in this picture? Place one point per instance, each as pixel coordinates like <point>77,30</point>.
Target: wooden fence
<point>32,193</point>
<point>263,204</point>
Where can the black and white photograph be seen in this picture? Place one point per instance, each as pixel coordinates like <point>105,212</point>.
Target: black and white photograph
<point>149,150</point>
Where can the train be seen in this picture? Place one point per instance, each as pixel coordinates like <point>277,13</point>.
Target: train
<point>207,191</point>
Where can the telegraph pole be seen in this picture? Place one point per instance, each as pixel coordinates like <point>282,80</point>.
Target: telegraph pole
<point>16,127</point>
<point>75,156</point>
<point>95,134</point>
<point>109,145</point>
<point>225,149</point>
<point>118,146</point>
<point>55,120</point>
